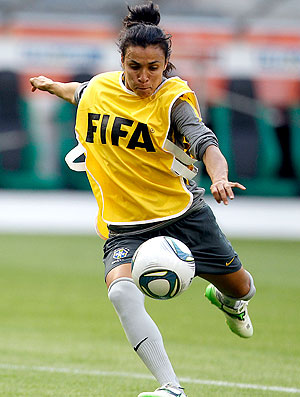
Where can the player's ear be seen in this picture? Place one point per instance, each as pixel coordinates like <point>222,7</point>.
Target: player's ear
<point>166,64</point>
<point>122,60</point>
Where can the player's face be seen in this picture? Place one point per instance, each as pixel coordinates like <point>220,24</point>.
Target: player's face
<point>143,69</point>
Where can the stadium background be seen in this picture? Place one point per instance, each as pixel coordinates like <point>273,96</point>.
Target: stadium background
<point>241,58</point>
<point>59,335</point>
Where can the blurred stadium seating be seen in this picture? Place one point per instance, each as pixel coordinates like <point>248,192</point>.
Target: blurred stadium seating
<point>241,58</point>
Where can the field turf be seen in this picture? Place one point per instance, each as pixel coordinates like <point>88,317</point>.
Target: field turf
<point>60,336</point>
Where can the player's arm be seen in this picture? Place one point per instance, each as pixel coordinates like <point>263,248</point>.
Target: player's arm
<point>217,169</point>
<point>204,147</point>
<point>65,91</point>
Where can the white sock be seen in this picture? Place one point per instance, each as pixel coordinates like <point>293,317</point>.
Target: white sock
<point>140,329</point>
<point>235,302</point>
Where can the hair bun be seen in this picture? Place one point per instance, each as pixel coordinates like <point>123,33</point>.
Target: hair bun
<point>147,14</point>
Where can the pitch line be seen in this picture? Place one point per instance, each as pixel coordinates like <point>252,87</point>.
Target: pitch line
<point>74,371</point>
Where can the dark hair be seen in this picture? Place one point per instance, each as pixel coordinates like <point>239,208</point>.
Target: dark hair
<point>140,29</point>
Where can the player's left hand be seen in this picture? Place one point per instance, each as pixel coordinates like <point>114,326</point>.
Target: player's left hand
<point>222,190</point>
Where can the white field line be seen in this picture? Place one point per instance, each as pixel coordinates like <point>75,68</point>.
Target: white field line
<point>74,371</point>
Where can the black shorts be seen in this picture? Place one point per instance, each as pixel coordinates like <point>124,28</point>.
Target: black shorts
<point>199,230</point>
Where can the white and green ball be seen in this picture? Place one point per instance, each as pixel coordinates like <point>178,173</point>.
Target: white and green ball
<point>163,267</point>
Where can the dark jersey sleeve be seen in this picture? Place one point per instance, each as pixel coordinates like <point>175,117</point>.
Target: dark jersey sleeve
<point>185,123</point>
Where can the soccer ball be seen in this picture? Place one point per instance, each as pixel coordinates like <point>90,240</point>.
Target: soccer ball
<point>163,267</point>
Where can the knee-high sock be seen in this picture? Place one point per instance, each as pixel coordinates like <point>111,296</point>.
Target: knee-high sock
<point>140,329</point>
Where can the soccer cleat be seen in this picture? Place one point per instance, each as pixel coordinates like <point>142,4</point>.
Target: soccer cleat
<point>237,319</point>
<point>167,390</point>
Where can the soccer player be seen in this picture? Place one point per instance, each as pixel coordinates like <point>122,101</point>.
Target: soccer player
<point>140,130</point>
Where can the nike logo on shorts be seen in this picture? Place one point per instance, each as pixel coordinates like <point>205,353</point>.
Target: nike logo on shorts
<point>228,263</point>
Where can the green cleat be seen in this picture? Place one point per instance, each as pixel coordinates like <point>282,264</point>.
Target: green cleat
<point>165,391</point>
<point>237,319</point>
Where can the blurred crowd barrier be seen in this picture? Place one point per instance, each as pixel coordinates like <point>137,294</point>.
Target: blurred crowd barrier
<point>247,83</point>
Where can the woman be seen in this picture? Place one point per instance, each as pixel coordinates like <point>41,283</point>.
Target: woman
<point>133,126</point>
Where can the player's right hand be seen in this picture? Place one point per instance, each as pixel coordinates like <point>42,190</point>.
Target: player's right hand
<point>41,83</point>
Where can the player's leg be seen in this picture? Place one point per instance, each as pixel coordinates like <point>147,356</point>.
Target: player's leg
<point>231,286</point>
<point>140,329</point>
<point>231,294</point>
<point>216,261</point>
<point>235,284</point>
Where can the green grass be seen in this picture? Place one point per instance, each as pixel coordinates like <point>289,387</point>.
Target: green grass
<point>59,334</point>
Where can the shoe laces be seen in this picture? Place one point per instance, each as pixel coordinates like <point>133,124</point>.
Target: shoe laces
<point>242,306</point>
<point>239,313</point>
<point>167,387</point>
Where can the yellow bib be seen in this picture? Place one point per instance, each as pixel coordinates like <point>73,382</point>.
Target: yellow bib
<point>124,135</point>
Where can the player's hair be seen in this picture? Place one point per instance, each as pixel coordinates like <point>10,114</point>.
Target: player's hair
<point>140,29</point>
